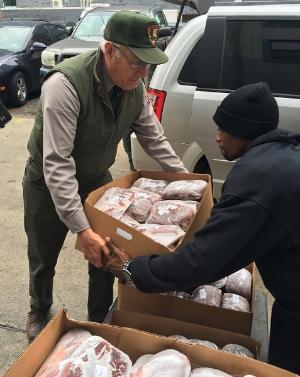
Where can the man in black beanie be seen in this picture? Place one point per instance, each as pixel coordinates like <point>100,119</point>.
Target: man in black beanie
<point>256,219</point>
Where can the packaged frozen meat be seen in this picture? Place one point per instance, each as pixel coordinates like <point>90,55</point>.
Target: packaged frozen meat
<point>240,283</point>
<point>78,353</point>
<point>172,212</point>
<point>164,234</point>
<point>139,209</point>
<point>237,349</point>
<point>167,363</point>
<point>126,219</point>
<point>205,343</point>
<point>235,302</point>
<point>207,294</point>
<point>115,201</point>
<point>219,283</point>
<point>153,185</point>
<point>185,189</point>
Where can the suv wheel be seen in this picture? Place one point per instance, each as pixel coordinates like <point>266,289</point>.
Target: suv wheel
<point>202,166</point>
<point>18,91</point>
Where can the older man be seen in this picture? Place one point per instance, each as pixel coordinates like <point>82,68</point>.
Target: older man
<point>256,219</point>
<point>87,105</point>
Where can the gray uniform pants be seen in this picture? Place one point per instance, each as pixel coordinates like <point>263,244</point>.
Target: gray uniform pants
<point>46,234</point>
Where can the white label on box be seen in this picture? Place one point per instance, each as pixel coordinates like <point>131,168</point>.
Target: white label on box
<point>124,234</point>
<point>202,294</point>
<point>100,371</point>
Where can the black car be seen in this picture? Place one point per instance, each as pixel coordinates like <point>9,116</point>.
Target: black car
<point>21,45</point>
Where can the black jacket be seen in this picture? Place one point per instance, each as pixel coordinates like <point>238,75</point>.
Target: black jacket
<point>257,219</point>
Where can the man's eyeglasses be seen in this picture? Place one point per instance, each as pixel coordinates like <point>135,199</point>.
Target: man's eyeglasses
<point>134,64</point>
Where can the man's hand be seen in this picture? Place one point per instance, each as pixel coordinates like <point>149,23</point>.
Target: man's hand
<point>115,260</point>
<point>93,246</point>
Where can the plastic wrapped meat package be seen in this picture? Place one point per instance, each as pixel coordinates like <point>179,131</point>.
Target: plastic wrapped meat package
<point>139,209</point>
<point>163,234</point>
<point>207,294</point>
<point>115,201</point>
<point>185,189</point>
<point>173,212</point>
<point>167,363</point>
<point>240,283</point>
<point>153,185</point>
<point>126,219</point>
<point>78,353</point>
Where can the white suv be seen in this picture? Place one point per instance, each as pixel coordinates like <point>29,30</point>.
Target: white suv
<point>211,55</point>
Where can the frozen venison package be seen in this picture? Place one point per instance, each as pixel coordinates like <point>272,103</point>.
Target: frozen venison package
<point>172,212</point>
<point>240,283</point>
<point>139,209</point>
<point>163,234</point>
<point>82,354</point>
<point>167,363</point>
<point>115,201</point>
<point>185,189</point>
<point>235,302</point>
<point>207,294</point>
<point>153,185</point>
<point>238,350</point>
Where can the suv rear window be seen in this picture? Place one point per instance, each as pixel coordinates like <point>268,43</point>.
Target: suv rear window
<point>233,53</point>
<point>262,50</point>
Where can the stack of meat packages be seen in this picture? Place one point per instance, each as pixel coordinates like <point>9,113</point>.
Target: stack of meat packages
<point>232,292</point>
<point>78,353</point>
<point>159,209</point>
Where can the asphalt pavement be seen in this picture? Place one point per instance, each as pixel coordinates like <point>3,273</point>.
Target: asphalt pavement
<point>70,284</point>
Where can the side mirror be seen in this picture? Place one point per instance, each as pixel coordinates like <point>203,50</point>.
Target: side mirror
<point>37,46</point>
<point>69,29</point>
<point>165,31</point>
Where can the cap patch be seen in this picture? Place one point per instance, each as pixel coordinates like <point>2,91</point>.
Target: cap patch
<point>153,34</point>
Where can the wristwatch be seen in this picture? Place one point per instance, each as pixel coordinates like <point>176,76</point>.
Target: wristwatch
<point>126,274</point>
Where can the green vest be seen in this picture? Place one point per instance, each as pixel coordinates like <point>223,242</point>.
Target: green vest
<point>98,133</point>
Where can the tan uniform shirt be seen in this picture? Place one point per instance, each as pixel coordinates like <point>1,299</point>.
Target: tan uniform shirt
<point>61,109</point>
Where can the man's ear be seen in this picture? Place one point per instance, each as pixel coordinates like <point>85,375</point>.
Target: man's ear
<point>108,49</point>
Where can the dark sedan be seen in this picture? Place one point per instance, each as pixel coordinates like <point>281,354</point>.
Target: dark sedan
<point>21,45</point>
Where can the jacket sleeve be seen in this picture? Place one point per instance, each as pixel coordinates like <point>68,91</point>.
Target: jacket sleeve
<point>150,135</point>
<point>238,232</point>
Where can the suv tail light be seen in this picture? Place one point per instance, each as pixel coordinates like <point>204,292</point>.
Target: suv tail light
<point>158,100</point>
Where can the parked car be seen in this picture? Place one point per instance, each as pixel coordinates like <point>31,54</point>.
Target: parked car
<point>88,33</point>
<point>212,55</point>
<point>21,45</point>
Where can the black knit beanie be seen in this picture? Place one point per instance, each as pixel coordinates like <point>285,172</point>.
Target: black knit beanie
<point>248,112</point>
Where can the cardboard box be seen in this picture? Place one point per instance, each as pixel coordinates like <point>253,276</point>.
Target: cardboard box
<point>167,326</point>
<point>134,242</point>
<point>131,299</point>
<point>136,343</point>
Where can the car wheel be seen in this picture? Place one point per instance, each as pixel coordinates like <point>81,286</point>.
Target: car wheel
<point>18,91</point>
<point>202,166</point>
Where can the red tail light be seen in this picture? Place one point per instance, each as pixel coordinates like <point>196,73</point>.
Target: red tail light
<point>158,100</point>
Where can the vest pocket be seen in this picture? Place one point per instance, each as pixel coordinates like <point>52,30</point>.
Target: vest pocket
<point>33,172</point>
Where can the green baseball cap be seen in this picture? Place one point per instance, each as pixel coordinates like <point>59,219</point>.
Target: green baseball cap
<point>138,32</point>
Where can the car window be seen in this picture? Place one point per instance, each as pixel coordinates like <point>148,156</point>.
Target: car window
<point>42,35</point>
<point>92,25</point>
<point>14,38</point>
<point>263,50</point>
<point>57,32</point>
<point>160,19</point>
<point>203,65</point>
